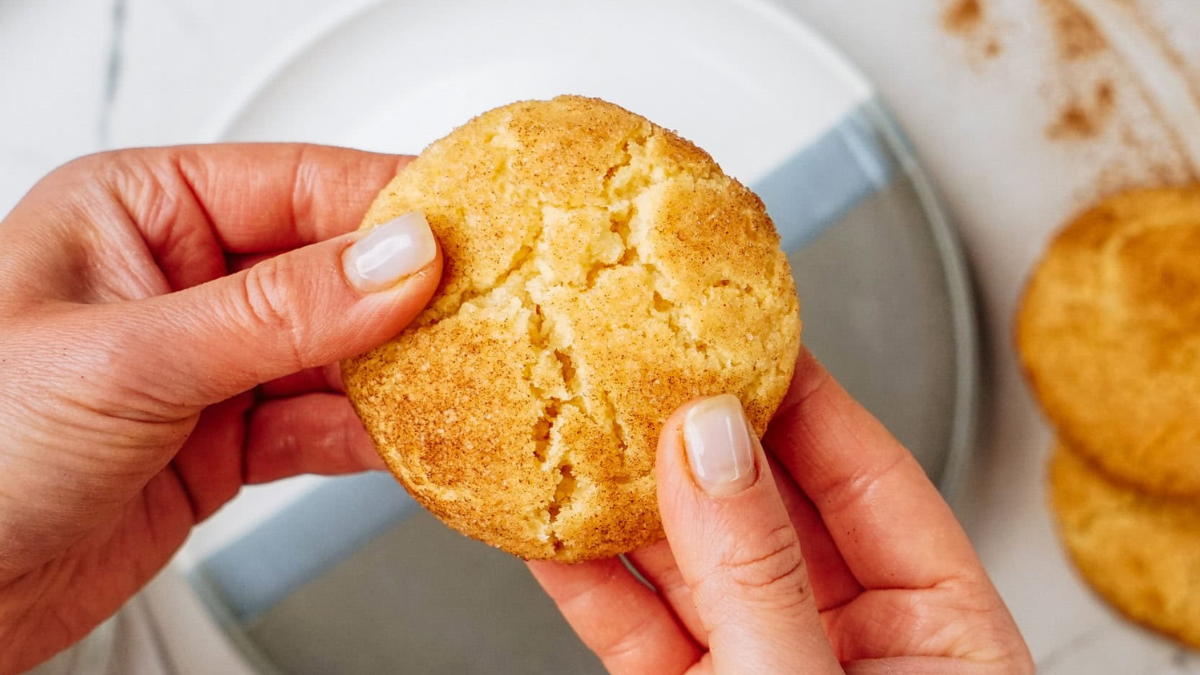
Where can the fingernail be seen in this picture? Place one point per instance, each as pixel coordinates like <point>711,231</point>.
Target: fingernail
<point>719,446</point>
<point>390,252</point>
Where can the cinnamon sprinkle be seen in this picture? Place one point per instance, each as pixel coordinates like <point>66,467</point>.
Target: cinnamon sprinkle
<point>1077,36</point>
<point>962,16</point>
<point>1079,119</point>
<point>969,20</point>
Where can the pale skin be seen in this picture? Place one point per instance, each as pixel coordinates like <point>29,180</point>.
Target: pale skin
<point>170,326</point>
<point>841,556</point>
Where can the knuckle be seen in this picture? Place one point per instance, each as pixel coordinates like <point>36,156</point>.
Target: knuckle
<point>107,168</point>
<point>264,296</point>
<point>71,184</point>
<point>840,494</point>
<point>773,563</point>
<point>629,641</point>
<point>271,307</point>
<point>87,164</point>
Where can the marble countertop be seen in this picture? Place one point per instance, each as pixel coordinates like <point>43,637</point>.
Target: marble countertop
<point>991,104</point>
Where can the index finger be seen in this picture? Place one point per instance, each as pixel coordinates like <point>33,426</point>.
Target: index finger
<point>625,623</point>
<point>193,205</point>
<point>256,197</point>
<point>183,210</point>
<point>238,198</point>
<point>892,526</point>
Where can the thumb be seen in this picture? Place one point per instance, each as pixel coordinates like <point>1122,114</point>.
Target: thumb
<point>306,308</point>
<point>735,544</point>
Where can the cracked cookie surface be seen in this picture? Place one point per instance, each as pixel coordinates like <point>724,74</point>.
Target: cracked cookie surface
<point>1109,337</point>
<point>1140,552</point>
<point>599,272</point>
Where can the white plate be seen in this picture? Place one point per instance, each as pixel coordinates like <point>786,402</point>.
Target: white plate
<point>743,80</point>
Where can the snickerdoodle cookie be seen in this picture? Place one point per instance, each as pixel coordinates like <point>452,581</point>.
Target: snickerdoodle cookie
<point>599,272</point>
<point>1109,334</point>
<point>1142,553</point>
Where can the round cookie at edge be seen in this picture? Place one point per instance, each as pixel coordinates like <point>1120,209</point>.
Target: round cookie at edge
<point>1109,336</point>
<point>1139,552</point>
<point>599,272</point>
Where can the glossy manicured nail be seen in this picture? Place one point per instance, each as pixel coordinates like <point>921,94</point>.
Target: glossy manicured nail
<point>397,249</point>
<point>720,449</point>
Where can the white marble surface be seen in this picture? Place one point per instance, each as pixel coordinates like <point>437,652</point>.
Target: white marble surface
<point>77,76</point>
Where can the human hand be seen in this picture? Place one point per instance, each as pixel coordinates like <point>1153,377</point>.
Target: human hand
<point>832,551</point>
<point>161,345</point>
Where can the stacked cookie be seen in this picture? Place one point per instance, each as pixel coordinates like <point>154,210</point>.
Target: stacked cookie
<point>1109,335</point>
